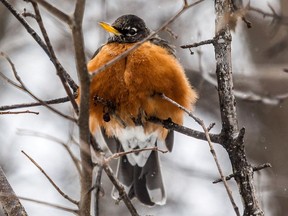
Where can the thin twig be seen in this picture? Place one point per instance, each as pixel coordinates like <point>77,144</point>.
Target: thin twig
<point>28,14</point>
<point>29,92</point>
<point>19,112</point>
<point>51,181</point>
<point>201,43</point>
<point>280,19</point>
<point>201,123</point>
<point>185,3</point>
<point>257,168</point>
<point>122,194</point>
<point>38,39</point>
<point>60,71</point>
<point>74,211</point>
<point>265,99</point>
<point>210,128</point>
<point>169,124</point>
<point>181,107</point>
<point>249,95</point>
<point>120,154</point>
<point>104,163</point>
<point>98,191</point>
<point>54,139</point>
<point>171,33</point>
<point>24,105</point>
<point>11,82</point>
<point>55,11</point>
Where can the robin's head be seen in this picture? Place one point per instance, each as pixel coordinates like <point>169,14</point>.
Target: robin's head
<point>126,29</point>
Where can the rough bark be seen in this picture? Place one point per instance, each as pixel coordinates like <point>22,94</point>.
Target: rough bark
<point>232,138</point>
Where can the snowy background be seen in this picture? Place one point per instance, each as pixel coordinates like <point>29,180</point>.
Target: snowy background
<point>189,170</point>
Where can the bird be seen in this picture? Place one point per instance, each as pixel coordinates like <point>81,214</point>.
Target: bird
<point>126,94</point>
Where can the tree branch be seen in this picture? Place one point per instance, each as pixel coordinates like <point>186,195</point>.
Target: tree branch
<point>274,16</point>
<point>60,72</point>
<point>122,194</point>
<point>17,106</point>
<point>207,136</point>
<point>8,199</point>
<point>74,211</point>
<point>74,159</point>
<point>104,163</point>
<point>41,43</point>
<point>23,87</point>
<point>257,168</point>
<point>169,124</point>
<point>55,11</point>
<point>98,191</point>
<point>51,181</point>
<point>83,120</point>
<point>19,112</point>
<point>135,151</point>
<point>232,137</point>
<point>201,43</point>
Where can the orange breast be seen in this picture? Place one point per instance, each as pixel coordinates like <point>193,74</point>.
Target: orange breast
<point>131,84</point>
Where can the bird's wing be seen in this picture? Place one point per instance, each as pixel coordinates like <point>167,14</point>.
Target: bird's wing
<point>145,183</point>
<point>112,143</point>
<point>169,140</point>
<point>97,51</point>
<point>164,44</point>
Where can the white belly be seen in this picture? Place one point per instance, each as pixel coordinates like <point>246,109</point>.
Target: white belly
<point>133,138</point>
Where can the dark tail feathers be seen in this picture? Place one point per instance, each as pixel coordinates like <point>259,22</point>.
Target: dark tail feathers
<point>144,183</point>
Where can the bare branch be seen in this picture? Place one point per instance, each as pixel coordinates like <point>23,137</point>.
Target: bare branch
<point>54,139</point>
<point>104,163</point>
<point>83,120</point>
<point>17,106</point>
<point>51,181</point>
<point>185,3</point>
<point>170,32</point>
<point>19,112</point>
<point>248,95</point>
<point>8,199</point>
<point>121,190</point>
<point>74,211</point>
<point>55,11</point>
<point>60,71</point>
<point>201,43</point>
<point>22,85</point>
<point>120,154</point>
<point>169,124</point>
<point>251,96</point>
<point>38,39</point>
<point>98,191</point>
<point>232,137</point>
<point>257,168</point>
<point>210,127</point>
<point>206,131</point>
<point>11,82</point>
<point>274,16</point>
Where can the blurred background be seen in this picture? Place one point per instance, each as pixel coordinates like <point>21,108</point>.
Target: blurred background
<point>259,56</point>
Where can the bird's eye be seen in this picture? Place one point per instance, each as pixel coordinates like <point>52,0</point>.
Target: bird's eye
<point>131,32</point>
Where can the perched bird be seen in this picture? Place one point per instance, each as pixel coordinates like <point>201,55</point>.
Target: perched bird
<point>126,94</point>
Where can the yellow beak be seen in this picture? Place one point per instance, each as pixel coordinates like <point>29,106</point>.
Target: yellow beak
<point>109,28</point>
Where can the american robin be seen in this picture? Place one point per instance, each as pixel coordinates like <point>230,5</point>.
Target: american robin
<point>126,94</point>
